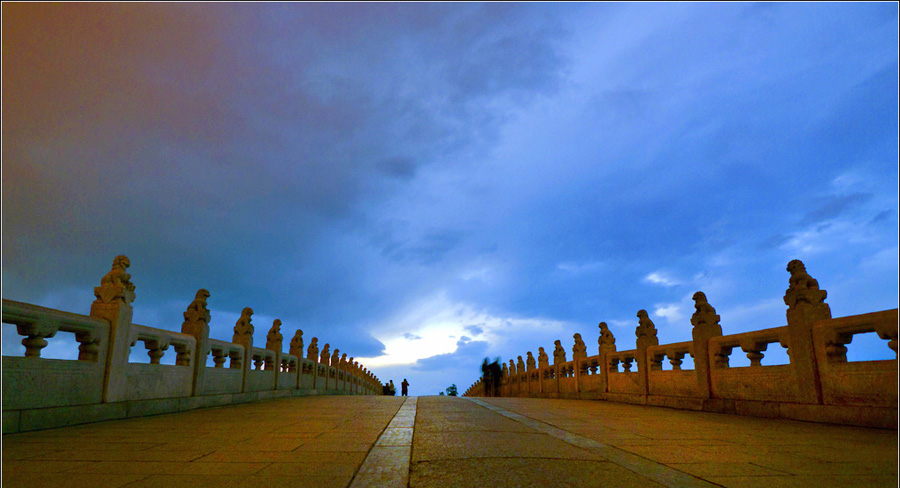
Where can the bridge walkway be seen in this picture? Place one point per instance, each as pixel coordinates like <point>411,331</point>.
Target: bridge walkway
<point>350,441</point>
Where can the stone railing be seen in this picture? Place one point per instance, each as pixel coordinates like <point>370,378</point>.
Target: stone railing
<point>103,383</point>
<point>817,384</point>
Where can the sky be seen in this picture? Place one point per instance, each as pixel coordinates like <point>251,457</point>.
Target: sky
<point>426,185</point>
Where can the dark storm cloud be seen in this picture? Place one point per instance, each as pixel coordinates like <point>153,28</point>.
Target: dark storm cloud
<point>467,353</point>
<point>474,329</point>
<point>333,164</point>
<point>834,206</point>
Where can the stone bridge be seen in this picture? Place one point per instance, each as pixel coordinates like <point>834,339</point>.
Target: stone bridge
<point>439,441</point>
<point>318,420</point>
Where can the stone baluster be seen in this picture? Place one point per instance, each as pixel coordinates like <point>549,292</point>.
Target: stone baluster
<point>237,360</point>
<point>219,357</point>
<point>259,362</point>
<point>675,359</point>
<point>88,346</point>
<point>754,351</point>
<point>626,364</point>
<point>36,334</point>
<point>156,349</point>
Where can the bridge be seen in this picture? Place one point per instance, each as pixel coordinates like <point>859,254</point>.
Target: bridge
<point>358,441</point>
<point>319,420</point>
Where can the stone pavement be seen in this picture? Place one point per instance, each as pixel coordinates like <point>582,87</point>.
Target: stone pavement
<point>340,441</point>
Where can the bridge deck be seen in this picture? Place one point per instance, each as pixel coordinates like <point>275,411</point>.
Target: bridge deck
<point>444,441</point>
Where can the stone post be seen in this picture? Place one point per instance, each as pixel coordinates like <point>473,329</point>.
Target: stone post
<point>530,367</point>
<point>543,362</point>
<point>513,379</point>
<point>243,335</point>
<point>324,358</point>
<point>196,323</point>
<point>559,357</point>
<point>113,304</point>
<point>607,344</point>
<point>334,363</point>
<point>579,353</point>
<point>296,347</point>
<point>806,306</point>
<point>520,371</point>
<point>646,337</point>
<point>274,342</point>
<point>706,325</point>
<point>312,354</point>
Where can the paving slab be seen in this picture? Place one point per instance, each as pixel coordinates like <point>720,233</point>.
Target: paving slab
<point>722,449</point>
<point>301,441</point>
<point>346,441</point>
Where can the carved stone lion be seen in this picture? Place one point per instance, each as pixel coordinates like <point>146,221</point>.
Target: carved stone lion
<point>197,311</point>
<point>579,350</point>
<point>543,359</point>
<point>116,284</point>
<point>244,327</point>
<point>559,353</point>
<point>606,341</point>
<point>312,352</point>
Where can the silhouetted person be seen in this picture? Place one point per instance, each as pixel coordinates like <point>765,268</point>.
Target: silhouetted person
<point>404,387</point>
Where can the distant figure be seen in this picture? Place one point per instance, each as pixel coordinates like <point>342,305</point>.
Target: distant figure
<point>404,387</point>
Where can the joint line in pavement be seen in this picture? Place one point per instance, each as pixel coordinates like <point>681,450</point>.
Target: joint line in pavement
<point>387,463</point>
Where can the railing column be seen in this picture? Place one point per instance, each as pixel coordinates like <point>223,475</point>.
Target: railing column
<point>646,337</point>
<point>606,344</point>
<point>806,305</point>
<point>274,342</point>
<point>243,335</point>
<point>579,353</point>
<point>706,325</point>
<point>312,354</point>
<point>196,323</point>
<point>113,304</point>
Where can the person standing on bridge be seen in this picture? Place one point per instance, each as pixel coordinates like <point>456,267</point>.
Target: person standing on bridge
<point>404,388</point>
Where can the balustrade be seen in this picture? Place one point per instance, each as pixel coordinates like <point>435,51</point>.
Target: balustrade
<point>98,384</point>
<point>818,383</point>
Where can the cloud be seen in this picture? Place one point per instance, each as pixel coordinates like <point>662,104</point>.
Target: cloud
<point>368,171</point>
<point>672,312</point>
<point>474,329</point>
<point>833,206</point>
<point>660,278</point>
<point>410,336</point>
<point>469,353</point>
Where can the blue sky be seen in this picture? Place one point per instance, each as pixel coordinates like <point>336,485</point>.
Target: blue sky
<point>426,185</point>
